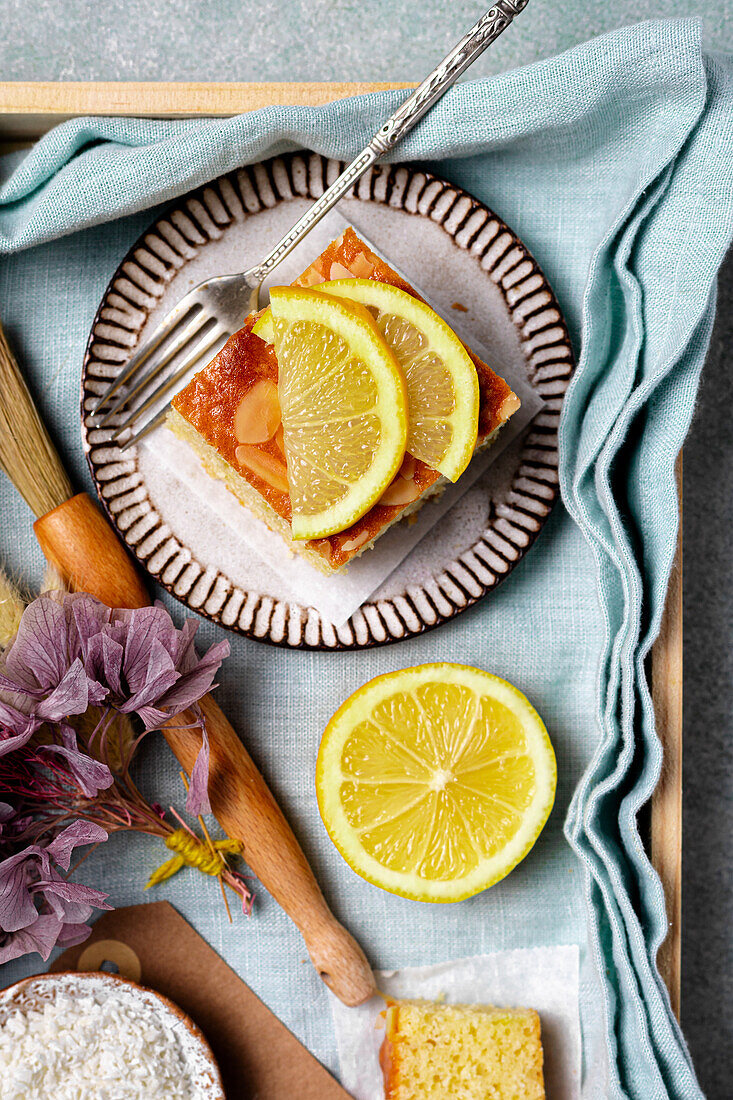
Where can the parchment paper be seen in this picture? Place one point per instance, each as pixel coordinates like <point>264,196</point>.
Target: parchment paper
<point>543,978</point>
<point>337,597</point>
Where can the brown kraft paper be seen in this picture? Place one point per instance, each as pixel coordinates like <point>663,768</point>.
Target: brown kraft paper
<point>258,1057</point>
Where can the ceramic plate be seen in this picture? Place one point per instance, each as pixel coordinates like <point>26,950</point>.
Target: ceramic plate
<point>226,226</point>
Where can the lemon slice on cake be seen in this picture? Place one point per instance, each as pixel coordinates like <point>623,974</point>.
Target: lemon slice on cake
<point>344,409</point>
<point>435,781</point>
<point>442,384</point>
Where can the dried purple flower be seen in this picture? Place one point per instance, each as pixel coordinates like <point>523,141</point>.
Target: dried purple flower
<point>149,666</point>
<point>90,775</point>
<point>73,656</point>
<point>41,672</point>
<point>39,908</point>
<point>72,652</point>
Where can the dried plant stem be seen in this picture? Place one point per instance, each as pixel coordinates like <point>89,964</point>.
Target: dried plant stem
<point>12,606</point>
<point>212,849</point>
<point>27,454</point>
<point>53,580</point>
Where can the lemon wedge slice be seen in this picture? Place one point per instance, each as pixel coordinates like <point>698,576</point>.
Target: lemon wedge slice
<point>344,409</point>
<point>442,384</point>
<point>435,781</point>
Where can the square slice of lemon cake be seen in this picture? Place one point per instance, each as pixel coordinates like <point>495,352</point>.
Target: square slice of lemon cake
<point>435,1051</point>
<point>230,416</point>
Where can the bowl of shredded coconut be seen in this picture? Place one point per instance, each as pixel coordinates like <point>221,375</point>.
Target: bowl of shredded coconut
<point>95,1036</point>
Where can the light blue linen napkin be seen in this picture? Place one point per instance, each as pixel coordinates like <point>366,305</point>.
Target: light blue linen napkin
<point>613,162</point>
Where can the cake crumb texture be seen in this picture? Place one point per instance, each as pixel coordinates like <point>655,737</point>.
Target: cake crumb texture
<point>460,1052</point>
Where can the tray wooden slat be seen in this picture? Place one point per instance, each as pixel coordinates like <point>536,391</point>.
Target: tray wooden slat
<point>28,110</point>
<point>666,821</point>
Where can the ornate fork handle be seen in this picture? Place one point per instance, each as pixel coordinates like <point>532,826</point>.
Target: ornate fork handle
<point>482,34</point>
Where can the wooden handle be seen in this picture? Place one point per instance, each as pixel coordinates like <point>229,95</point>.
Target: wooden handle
<point>81,544</point>
<point>78,540</point>
<point>245,808</point>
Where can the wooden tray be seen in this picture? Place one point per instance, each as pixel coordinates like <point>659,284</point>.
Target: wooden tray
<point>28,110</point>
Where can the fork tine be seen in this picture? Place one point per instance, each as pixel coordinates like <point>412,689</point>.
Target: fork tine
<point>185,336</point>
<point>146,428</point>
<point>166,326</point>
<point>171,380</point>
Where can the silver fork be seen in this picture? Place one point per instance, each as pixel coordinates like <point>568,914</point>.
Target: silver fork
<point>216,308</point>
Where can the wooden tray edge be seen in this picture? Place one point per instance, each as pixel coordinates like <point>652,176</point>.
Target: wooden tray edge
<point>28,110</point>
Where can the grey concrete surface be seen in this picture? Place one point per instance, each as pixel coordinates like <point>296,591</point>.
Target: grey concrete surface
<point>298,39</point>
<point>383,40</point>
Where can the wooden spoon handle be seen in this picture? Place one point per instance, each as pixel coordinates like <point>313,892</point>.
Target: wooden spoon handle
<point>78,540</point>
<point>246,809</point>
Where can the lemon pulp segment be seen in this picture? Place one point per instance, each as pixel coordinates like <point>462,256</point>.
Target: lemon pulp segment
<point>442,383</point>
<point>344,409</point>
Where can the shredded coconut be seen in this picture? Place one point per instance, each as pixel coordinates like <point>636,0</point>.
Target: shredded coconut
<point>73,1039</point>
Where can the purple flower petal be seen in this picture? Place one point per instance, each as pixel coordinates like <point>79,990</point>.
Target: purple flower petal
<point>185,656</point>
<point>152,717</point>
<point>197,801</point>
<point>88,618</point>
<point>196,683</point>
<point>71,902</point>
<point>104,661</point>
<point>70,696</point>
<point>145,627</point>
<point>160,674</point>
<point>9,741</point>
<point>17,909</point>
<point>90,774</point>
<point>41,936</point>
<point>38,655</point>
<point>79,832</point>
<point>71,934</point>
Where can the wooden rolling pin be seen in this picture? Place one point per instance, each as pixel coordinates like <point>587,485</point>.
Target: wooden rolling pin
<point>79,541</point>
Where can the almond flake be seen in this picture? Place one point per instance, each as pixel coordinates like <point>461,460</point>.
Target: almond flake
<point>311,277</point>
<point>356,542</point>
<point>338,271</point>
<point>400,492</point>
<point>258,414</point>
<point>407,469</point>
<point>361,266</point>
<point>265,466</point>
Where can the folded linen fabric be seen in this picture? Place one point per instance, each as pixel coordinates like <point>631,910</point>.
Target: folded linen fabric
<point>613,163</point>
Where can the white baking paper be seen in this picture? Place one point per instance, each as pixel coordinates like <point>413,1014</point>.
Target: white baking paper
<point>336,597</point>
<point>543,978</point>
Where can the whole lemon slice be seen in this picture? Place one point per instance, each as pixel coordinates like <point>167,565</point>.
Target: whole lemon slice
<point>344,409</point>
<point>435,781</point>
<point>442,384</point>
